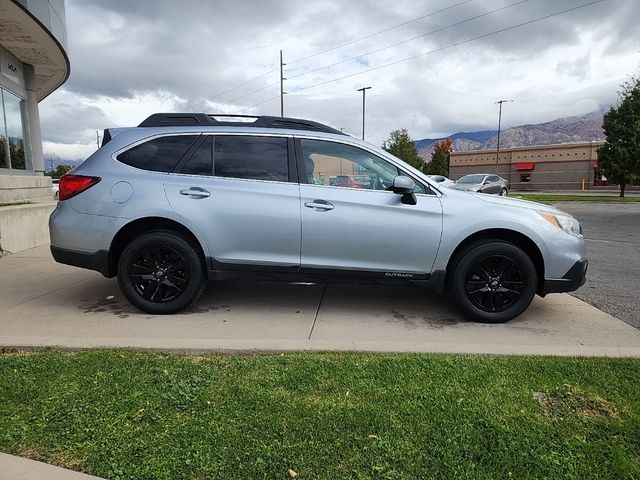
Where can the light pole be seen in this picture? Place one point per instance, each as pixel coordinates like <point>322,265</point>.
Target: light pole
<point>363,90</point>
<point>499,102</point>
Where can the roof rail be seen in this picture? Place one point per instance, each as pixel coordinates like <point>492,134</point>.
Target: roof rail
<point>204,119</point>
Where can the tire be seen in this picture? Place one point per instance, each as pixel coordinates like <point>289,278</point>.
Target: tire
<point>504,192</point>
<point>493,281</point>
<point>161,272</point>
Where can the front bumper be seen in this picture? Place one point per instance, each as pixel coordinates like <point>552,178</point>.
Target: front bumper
<point>572,280</point>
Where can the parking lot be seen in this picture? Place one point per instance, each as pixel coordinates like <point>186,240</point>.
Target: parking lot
<point>47,304</point>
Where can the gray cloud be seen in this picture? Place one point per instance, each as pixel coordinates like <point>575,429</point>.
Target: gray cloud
<point>193,50</point>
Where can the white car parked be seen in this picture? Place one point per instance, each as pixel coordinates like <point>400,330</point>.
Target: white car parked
<point>55,187</point>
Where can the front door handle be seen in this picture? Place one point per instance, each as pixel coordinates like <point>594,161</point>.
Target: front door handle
<point>319,205</point>
<point>195,192</point>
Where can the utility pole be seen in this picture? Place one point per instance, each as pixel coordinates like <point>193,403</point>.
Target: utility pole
<point>282,79</point>
<point>499,102</point>
<point>363,90</point>
<point>97,139</point>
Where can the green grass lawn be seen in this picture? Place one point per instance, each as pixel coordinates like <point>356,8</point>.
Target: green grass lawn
<point>553,198</point>
<point>119,414</point>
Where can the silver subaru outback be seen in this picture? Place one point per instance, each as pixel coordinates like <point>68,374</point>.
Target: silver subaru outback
<point>187,198</point>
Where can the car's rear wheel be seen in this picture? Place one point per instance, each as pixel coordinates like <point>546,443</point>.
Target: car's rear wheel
<point>503,192</point>
<point>161,272</point>
<point>493,281</point>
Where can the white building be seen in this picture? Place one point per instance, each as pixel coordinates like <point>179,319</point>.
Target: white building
<point>33,63</point>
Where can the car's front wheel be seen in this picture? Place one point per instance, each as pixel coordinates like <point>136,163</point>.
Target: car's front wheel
<point>161,272</point>
<point>493,281</point>
<point>503,192</point>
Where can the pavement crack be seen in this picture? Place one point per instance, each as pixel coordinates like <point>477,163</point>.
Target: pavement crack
<point>315,317</point>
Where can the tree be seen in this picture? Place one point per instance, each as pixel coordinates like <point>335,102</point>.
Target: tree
<point>439,164</point>
<point>59,171</point>
<point>619,157</point>
<point>402,146</point>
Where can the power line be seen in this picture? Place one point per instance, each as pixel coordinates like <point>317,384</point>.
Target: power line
<point>446,47</point>
<point>259,103</point>
<point>320,53</point>
<point>234,88</point>
<point>380,32</point>
<point>409,39</point>
<point>254,91</point>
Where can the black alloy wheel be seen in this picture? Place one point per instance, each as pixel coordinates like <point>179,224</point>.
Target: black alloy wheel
<point>161,272</point>
<point>492,281</point>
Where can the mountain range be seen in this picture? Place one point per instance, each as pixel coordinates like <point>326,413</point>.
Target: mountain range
<point>584,128</point>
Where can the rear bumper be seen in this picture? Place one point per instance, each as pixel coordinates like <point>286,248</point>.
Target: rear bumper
<point>98,261</point>
<point>572,280</point>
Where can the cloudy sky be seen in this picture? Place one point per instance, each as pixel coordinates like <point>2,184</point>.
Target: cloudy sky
<point>133,58</point>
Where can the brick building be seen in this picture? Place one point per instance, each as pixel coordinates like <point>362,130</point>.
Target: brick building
<point>545,167</point>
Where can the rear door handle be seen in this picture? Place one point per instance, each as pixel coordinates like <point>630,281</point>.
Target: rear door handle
<point>319,205</point>
<point>195,192</point>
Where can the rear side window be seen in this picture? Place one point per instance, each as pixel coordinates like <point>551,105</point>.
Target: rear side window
<point>201,161</point>
<point>158,155</point>
<point>255,158</point>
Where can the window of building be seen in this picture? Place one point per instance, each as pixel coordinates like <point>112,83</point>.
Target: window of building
<point>599,178</point>
<point>158,155</point>
<point>253,158</point>
<point>4,150</point>
<point>525,177</point>
<point>14,153</point>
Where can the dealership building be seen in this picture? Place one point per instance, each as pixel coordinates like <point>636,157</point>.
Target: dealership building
<point>570,166</point>
<point>33,64</point>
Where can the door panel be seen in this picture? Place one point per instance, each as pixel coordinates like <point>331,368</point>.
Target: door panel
<point>350,218</point>
<point>368,230</point>
<point>494,185</point>
<point>225,189</point>
<point>243,221</point>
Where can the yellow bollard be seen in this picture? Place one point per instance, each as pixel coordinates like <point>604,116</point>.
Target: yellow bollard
<point>584,184</point>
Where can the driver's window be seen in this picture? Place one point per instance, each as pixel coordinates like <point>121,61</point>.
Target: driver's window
<point>339,165</point>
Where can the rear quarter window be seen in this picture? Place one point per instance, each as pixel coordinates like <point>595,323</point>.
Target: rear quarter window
<point>158,155</point>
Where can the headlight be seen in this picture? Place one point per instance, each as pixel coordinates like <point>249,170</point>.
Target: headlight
<point>564,222</point>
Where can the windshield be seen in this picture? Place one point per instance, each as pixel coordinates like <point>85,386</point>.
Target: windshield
<point>471,179</point>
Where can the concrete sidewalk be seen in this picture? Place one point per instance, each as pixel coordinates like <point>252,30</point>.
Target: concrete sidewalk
<point>46,304</point>
<point>18,468</point>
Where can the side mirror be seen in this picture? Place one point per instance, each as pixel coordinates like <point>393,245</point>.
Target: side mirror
<point>486,182</point>
<point>405,186</point>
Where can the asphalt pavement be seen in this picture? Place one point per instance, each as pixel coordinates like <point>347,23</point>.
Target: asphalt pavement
<point>612,232</point>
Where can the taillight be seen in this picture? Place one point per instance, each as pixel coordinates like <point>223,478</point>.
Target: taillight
<point>72,185</point>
